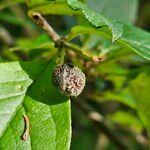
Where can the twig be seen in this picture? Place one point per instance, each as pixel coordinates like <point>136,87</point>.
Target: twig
<point>5,37</point>
<point>37,17</point>
<point>86,54</point>
<point>60,42</point>
<point>100,124</point>
<point>27,127</point>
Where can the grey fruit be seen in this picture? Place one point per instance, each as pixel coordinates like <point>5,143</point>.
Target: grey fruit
<point>68,79</point>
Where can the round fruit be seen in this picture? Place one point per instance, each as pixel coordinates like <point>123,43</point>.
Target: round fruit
<point>68,79</point>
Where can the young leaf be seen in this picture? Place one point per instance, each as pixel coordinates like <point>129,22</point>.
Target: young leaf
<point>126,118</point>
<point>128,35</point>
<point>98,20</point>
<point>47,109</point>
<point>133,37</point>
<point>14,82</point>
<point>50,7</point>
<point>140,89</point>
<point>124,11</point>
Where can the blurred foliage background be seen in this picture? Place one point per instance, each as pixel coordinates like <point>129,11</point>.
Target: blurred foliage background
<point>117,88</point>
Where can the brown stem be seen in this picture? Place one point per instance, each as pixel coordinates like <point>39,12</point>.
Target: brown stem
<point>41,21</point>
<point>60,42</point>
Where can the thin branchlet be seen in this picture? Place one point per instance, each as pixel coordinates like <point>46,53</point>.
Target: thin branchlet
<point>60,41</point>
<point>41,21</point>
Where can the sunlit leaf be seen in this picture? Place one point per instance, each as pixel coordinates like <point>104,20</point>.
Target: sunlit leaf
<point>47,109</point>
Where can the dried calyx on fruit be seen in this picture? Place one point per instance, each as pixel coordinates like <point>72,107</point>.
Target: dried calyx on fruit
<point>68,79</point>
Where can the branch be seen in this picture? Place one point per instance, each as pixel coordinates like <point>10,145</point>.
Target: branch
<point>37,17</point>
<point>5,37</point>
<point>60,42</point>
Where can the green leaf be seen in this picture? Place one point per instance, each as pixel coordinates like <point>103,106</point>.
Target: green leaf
<point>123,96</point>
<point>126,118</point>
<point>13,85</point>
<point>127,35</point>
<point>12,19</point>
<point>132,38</point>
<point>140,89</point>
<point>4,4</point>
<point>124,11</point>
<point>47,109</point>
<point>98,20</point>
<point>50,7</point>
<point>33,3</point>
